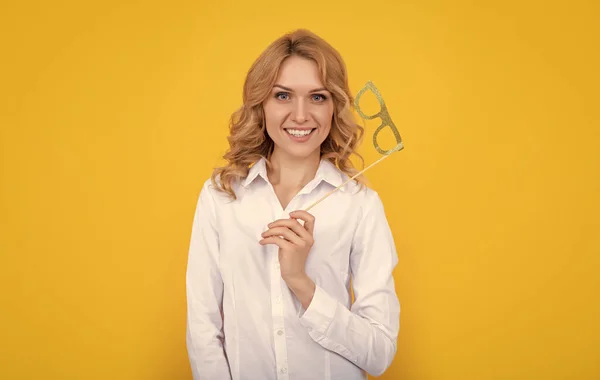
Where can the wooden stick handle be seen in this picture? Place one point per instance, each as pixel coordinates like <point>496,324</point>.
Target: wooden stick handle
<point>350,179</point>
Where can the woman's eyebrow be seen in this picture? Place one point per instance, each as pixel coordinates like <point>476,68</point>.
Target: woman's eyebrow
<point>290,90</point>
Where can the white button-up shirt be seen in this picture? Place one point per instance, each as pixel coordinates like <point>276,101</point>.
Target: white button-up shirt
<point>243,320</point>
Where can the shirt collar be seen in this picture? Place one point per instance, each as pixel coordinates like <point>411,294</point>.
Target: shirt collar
<point>259,168</point>
<point>327,172</point>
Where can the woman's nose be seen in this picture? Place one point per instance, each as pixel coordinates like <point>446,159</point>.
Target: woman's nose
<point>299,113</point>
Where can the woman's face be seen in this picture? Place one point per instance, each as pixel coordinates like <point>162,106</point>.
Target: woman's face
<point>299,110</point>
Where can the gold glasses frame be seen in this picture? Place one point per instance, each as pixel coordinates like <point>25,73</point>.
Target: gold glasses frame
<point>383,114</point>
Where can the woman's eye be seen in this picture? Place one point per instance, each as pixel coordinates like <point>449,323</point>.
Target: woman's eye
<point>319,97</point>
<point>282,96</point>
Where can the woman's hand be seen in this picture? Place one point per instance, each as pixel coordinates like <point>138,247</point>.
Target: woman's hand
<point>294,242</point>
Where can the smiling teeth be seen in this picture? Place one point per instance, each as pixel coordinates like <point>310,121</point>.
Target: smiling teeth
<point>298,133</point>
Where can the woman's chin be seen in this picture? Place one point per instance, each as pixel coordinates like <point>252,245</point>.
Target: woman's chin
<point>297,152</point>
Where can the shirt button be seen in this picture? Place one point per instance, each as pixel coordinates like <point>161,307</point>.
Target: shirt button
<point>279,332</point>
<point>284,370</point>
<point>278,299</point>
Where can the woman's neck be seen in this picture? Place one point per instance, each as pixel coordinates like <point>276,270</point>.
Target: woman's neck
<point>292,172</point>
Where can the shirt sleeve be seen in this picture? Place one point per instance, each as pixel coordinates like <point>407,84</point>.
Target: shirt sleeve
<point>204,288</point>
<point>367,333</point>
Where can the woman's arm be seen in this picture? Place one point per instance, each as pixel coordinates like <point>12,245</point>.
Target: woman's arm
<point>205,295</point>
<point>367,333</point>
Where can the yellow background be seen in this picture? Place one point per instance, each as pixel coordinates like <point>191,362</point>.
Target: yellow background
<point>113,114</point>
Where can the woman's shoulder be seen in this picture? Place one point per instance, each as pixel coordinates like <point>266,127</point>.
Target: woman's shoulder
<point>362,190</point>
<point>362,194</point>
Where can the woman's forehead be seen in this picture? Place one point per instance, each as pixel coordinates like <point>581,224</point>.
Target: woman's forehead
<point>299,74</point>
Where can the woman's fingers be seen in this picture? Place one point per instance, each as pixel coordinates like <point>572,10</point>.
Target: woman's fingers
<point>309,219</point>
<point>284,231</point>
<point>291,229</point>
<point>280,242</point>
<point>293,225</point>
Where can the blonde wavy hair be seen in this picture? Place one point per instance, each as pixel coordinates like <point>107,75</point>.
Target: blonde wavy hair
<point>248,138</point>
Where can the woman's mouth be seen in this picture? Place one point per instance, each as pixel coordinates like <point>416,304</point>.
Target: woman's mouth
<point>299,133</point>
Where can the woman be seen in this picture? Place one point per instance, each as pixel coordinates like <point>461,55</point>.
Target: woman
<point>268,284</point>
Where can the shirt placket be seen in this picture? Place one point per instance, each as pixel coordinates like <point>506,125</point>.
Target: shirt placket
<point>278,312</point>
<point>277,301</point>
<point>278,319</point>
